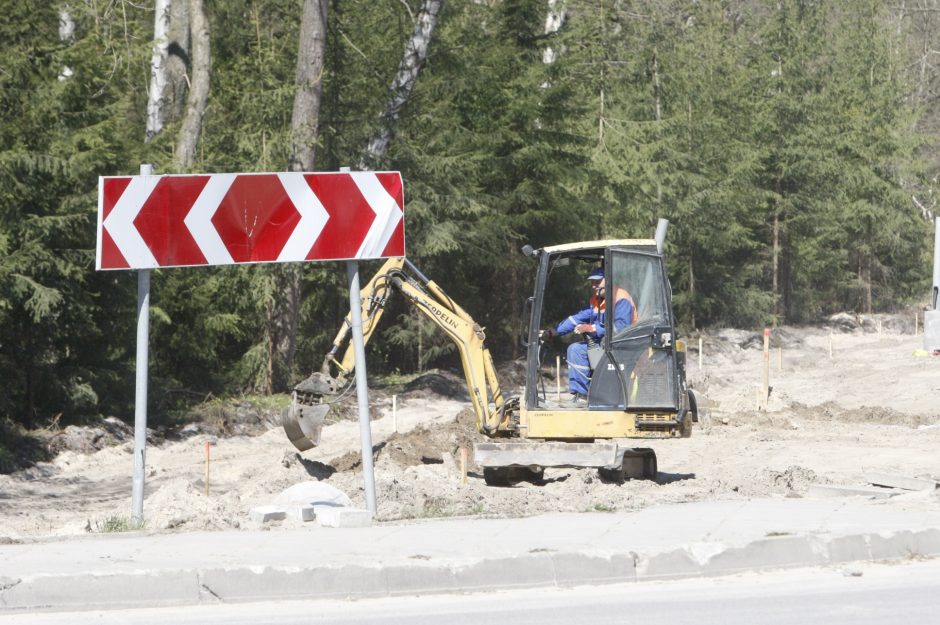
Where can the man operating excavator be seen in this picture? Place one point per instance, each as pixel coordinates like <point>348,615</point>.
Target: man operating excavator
<point>590,324</point>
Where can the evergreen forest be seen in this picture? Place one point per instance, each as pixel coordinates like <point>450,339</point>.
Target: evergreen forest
<point>792,144</point>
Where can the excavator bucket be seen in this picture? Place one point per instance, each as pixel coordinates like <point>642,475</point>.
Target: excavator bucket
<point>303,423</point>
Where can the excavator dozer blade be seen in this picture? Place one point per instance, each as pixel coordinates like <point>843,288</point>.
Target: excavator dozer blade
<point>303,423</point>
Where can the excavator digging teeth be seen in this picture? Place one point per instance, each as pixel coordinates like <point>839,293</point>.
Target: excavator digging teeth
<point>303,423</point>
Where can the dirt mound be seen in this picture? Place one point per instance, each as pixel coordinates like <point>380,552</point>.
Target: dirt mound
<point>793,480</point>
<point>422,445</point>
<point>238,418</point>
<point>831,411</point>
<point>441,383</point>
<point>427,445</point>
<point>88,439</point>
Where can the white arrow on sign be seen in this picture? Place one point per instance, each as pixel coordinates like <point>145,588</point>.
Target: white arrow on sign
<point>120,222</point>
<point>387,214</point>
<point>199,219</point>
<point>313,217</point>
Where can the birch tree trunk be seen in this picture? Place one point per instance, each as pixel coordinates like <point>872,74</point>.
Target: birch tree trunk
<point>199,91</point>
<point>66,26</point>
<point>309,81</point>
<point>155,96</point>
<point>416,53</point>
<point>553,20</point>
<point>66,36</point>
<point>178,63</point>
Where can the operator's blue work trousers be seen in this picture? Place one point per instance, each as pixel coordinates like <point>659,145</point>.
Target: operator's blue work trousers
<point>579,368</point>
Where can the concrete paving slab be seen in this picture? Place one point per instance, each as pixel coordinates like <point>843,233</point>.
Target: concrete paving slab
<point>521,571</point>
<point>575,569</point>
<point>332,516</point>
<point>265,514</point>
<point>844,549</point>
<point>830,490</point>
<point>301,513</point>
<point>79,591</point>
<point>769,553</point>
<point>892,480</point>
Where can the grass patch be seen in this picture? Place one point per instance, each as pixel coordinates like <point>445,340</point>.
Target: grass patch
<point>237,414</point>
<point>115,524</point>
<point>435,507</point>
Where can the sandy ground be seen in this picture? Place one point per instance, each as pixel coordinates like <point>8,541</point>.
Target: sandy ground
<point>874,405</point>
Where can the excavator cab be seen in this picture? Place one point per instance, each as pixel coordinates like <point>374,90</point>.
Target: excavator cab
<point>637,385</point>
<point>635,365</point>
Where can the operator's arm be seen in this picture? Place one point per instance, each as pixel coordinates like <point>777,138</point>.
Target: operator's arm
<point>569,324</point>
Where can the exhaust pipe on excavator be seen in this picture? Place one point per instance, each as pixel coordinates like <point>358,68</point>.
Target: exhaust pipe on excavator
<point>661,228</point>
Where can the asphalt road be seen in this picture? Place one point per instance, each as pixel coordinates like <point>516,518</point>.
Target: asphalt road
<point>854,595</point>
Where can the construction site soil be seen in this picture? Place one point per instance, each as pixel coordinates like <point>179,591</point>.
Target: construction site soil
<point>853,396</point>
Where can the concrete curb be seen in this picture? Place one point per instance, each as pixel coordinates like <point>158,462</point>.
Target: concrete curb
<point>417,576</point>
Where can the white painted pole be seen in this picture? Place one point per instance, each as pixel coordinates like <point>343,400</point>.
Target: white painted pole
<point>765,378</point>
<point>362,390</point>
<point>395,413</point>
<point>140,397</point>
<point>935,291</point>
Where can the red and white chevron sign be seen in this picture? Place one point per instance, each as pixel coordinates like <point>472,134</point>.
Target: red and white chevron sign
<point>222,219</point>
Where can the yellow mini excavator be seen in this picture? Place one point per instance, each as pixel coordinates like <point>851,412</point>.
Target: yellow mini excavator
<point>637,385</point>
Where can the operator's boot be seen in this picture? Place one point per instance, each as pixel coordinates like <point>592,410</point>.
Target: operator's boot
<point>575,401</point>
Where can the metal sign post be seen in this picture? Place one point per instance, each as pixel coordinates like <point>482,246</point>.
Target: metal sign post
<point>140,396</point>
<point>362,390</point>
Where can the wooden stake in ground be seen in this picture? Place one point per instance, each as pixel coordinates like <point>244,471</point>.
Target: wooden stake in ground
<point>765,381</point>
<point>779,358</point>
<point>395,413</point>
<point>557,378</point>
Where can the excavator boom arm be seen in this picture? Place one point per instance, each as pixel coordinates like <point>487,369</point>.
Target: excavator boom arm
<point>308,408</point>
<point>373,296</point>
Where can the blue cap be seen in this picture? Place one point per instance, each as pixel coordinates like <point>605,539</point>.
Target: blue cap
<point>597,274</point>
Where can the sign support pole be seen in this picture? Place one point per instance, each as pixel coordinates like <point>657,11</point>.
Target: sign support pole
<point>140,397</point>
<point>362,390</point>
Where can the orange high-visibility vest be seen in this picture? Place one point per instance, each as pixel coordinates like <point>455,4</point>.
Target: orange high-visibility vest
<point>599,304</point>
